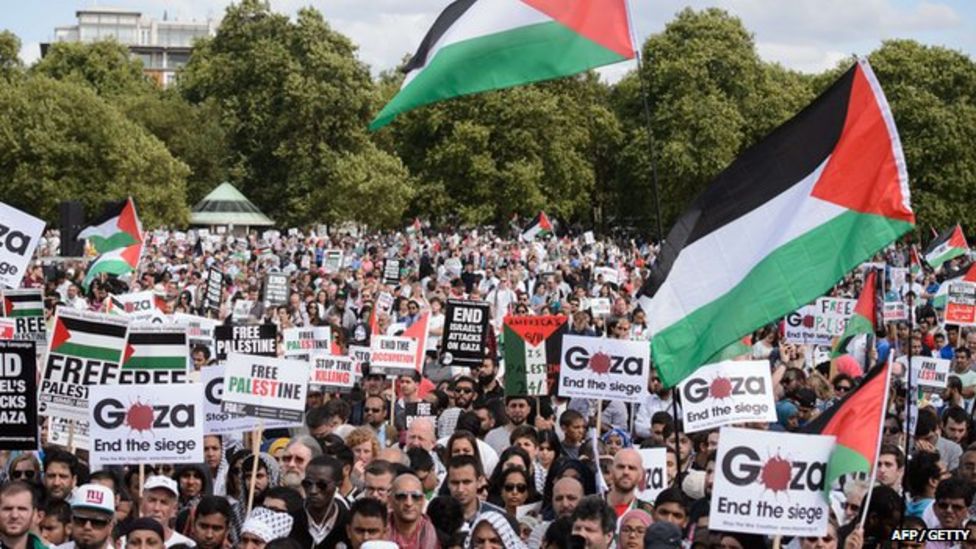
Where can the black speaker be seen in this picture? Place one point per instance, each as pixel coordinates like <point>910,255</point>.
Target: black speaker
<point>72,222</point>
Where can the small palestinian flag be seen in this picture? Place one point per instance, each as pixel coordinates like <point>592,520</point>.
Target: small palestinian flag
<point>540,227</point>
<point>856,421</point>
<point>780,226</point>
<point>914,262</point>
<point>88,336</point>
<point>939,300</point>
<point>532,344</point>
<point>155,349</point>
<point>114,306</point>
<point>21,303</point>
<point>117,227</point>
<point>948,245</point>
<point>865,317</point>
<point>116,262</point>
<point>481,45</point>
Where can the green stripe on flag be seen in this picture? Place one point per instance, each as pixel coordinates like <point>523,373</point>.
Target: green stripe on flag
<point>88,352</point>
<point>18,313</point>
<point>856,326</point>
<point>844,461</point>
<point>114,242</point>
<point>156,363</point>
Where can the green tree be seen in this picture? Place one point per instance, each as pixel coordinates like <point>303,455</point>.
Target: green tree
<point>10,63</point>
<point>59,141</point>
<point>295,103</point>
<point>106,66</point>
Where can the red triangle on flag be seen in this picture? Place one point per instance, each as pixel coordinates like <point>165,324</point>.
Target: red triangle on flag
<point>970,274</point>
<point>602,21</point>
<point>131,255</point>
<point>418,331</point>
<point>958,239</point>
<point>61,335</point>
<point>535,329</point>
<point>128,222</point>
<point>129,351</point>
<point>8,306</point>
<point>544,221</point>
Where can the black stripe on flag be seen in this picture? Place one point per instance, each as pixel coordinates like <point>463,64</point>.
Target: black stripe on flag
<point>112,210</point>
<point>764,171</point>
<point>444,21</point>
<point>32,297</point>
<point>157,338</point>
<point>90,327</point>
<point>944,237</point>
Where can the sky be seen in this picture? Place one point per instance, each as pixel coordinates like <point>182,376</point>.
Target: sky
<point>805,35</point>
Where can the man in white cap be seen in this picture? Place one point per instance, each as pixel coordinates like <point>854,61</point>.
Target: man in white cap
<point>262,526</point>
<point>92,518</point>
<point>160,500</point>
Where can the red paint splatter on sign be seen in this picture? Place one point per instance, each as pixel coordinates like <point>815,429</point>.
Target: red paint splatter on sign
<point>776,474</point>
<point>600,363</point>
<point>139,417</point>
<point>721,387</point>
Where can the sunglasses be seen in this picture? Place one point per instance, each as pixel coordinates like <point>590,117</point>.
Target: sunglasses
<point>373,410</point>
<point>23,474</point>
<point>322,485</point>
<point>464,390</point>
<point>402,496</point>
<point>842,388</point>
<point>519,488</point>
<point>95,522</point>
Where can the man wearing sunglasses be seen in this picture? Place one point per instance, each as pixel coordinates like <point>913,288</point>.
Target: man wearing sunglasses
<point>327,518</point>
<point>409,527</point>
<point>950,510</point>
<point>92,518</point>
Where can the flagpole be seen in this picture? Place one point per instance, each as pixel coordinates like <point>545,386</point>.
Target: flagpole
<point>908,403</point>
<point>877,451</point>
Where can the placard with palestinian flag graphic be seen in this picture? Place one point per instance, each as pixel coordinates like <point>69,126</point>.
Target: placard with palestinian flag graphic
<point>26,308</point>
<point>85,349</point>
<point>155,354</point>
<point>532,353</point>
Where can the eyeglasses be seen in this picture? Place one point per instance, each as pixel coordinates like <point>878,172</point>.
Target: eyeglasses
<point>842,388</point>
<point>402,496</point>
<point>892,429</point>
<point>373,410</point>
<point>28,474</point>
<point>464,390</point>
<point>95,522</point>
<point>520,488</point>
<point>951,507</point>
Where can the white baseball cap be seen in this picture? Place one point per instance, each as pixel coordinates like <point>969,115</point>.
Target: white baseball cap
<point>94,496</point>
<point>159,481</point>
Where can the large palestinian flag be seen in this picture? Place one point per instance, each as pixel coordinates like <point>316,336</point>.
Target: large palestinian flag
<point>856,422</point>
<point>540,227</point>
<point>533,346</point>
<point>481,45</point>
<point>818,196</point>
<point>948,245</point>
<point>117,262</point>
<point>156,349</point>
<point>117,227</point>
<point>88,336</point>
<point>865,317</point>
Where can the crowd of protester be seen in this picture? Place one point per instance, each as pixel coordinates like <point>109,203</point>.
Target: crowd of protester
<point>492,470</point>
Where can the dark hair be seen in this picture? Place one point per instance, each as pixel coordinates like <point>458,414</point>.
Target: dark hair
<point>368,507</point>
<point>328,461</point>
<point>922,467</point>
<point>461,434</point>
<point>343,453</point>
<point>895,451</point>
<point>201,349</point>
<point>379,467</point>
<point>447,516</point>
<point>671,495</point>
<point>927,423</point>
<point>886,502</point>
<point>420,459</point>
<point>282,543</point>
<point>661,418</point>
<point>594,508</point>
<point>57,508</point>
<point>52,456</point>
<point>210,505</point>
<point>569,416</point>
<point>549,436</point>
<point>524,431</point>
<point>955,413</point>
<point>559,532</point>
<point>109,475</point>
<point>338,408</point>
<point>470,422</point>
<point>412,374</point>
<point>317,417</point>
<point>291,497</point>
<point>145,523</point>
<point>497,484</point>
<point>458,462</point>
<point>954,488</point>
<point>465,379</point>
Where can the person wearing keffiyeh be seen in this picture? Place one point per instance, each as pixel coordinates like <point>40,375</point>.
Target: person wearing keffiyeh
<point>264,525</point>
<point>494,529</point>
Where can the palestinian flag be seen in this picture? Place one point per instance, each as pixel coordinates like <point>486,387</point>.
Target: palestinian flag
<point>155,349</point>
<point>540,227</point>
<point>914,263</point>
<point>865,317</point>
<point>780,226</point>
<point>117,227</point>
<point>481,45</point>
<point>939,301</point>
<point>948,245</point>
<point>856,421</point>
<point>735,351</point>
<point>532,344</point>
<point>88,336</point>
<point>114,306</point>
<point>116,262</point>
<point>419,330</point>
<point>22,303</point>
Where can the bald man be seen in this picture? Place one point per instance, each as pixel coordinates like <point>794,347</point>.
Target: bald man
<point>566,495</point>
<point>626,474</point>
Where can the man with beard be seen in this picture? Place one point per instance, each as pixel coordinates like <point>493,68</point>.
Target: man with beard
<point>409,527</point>
<point>518,410</point>
<point>296,457</point>
<point>211,522</point>
<point>160,500</point>
<point>566,495</point>
<point>625,476</point>
<point>92,518</point>
<point>373,386</point>
<point>465,391</point>
<point>327,519</point>
<point>487,375</point>
<point>60,476</point>
<point>346,316</point>
<point>375,413</point>
<point>17,513</point>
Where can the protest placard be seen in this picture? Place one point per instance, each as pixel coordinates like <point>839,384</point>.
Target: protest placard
<point>19,235</point>
<point>302,343</point>
<point>255,339</point>
<point>155,355</point>
<point>8,329</point>
<point>26,309</point>
<point>655,473</point>
<point>600,306</point>
<point>899,277</point>
<point>85,349</point>
<point>384,302</point>
<point>360,356</point>
<point>199,330</point>
<point>613,369</point>
<point>770,483</point>
<point>18,396</point>
<point>66,432</point>
<point>265,387</point>
<point>218,422</point>
<point>894,311</point>
<point>138,305</point>
<point>608,274</point>
<point>418,410</point>
<point>146,423</point>
<point>214,295</point>
<point>391,272</point>
<point>961,304</point>
<point>819,323</point>
<point>242,310</point>
<point>276,289</point>
<point>332,372</point>
<point>532,353</point>
<point>727,392</point>
<point>392,355</point>
<point>589,238</point>
<point>332,261</point>
<point>931,373</point>
<point>465,329</point>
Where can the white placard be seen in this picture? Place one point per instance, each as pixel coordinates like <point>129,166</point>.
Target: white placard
<point>332,371</point>
<point>770,483</point>
<point>19,238</point>
<point>392,355</point>
<point>218,422</point>
<point>609,274</point>
<point>265,387</point>
<point>610,369</point>
<point>819,323</point>
<point>302,343</point>
<point>146,423</point>
<point>727,392</point>
<point>930,372</point>
<point>655,480</point>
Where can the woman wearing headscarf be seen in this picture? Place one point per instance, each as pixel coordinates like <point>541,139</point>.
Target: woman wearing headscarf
<point>492,529</point>
<point>615,439</point>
